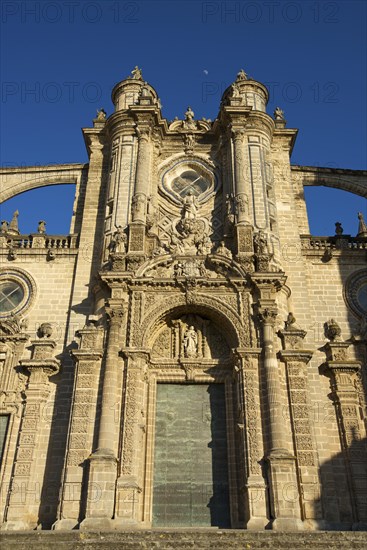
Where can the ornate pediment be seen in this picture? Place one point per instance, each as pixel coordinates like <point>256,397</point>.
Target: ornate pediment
<point>180,267</point>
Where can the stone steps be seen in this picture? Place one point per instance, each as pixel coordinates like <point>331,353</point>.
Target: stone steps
<point>199,539</point>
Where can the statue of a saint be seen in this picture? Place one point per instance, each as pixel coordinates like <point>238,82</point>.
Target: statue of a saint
<point>190,206</point>
<point>118,242</point>
<point>261,243</point>
<point>190,342</point>
<point>137,73</point>
<point>241,75</point>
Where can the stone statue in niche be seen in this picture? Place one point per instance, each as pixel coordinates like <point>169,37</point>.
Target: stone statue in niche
<point>190,342</point>
<point>118,241</point>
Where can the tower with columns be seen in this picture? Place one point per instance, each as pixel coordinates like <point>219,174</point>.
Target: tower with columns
<point>197,358</point>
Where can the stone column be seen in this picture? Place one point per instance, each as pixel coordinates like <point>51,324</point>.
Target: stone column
<point>103,462</point>
<point>130,483</point>
<point>142,188</point>
<point>241,190</point>
<point>283,486</point>
<point>345,380</point>
<point>252,486</point>
<point>296,361</point>
<point>25,489</point>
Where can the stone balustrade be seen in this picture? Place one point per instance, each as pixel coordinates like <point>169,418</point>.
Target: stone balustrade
<point>342,242</point>
<point>37,240</point>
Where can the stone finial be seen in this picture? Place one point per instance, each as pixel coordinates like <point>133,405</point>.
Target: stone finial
<point>289,324</point>
<point>338,228</point>
<point>13,226</point>
<point>45,330</point>
<point>101,115</point>
<point>278,114</point>
<point>41,227</point>
<point>362,226</point>
<point>332,330</point>
<point>137,73</point>
<point>4,226</point>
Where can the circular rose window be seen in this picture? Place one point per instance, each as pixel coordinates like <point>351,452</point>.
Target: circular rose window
<point>17,291</point>
<point>355,292</point>
<point>186,177</point>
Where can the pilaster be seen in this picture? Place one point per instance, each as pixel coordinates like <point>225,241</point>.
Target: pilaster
<point>82,424</point>
<point>253,488</point>
<point>345,379</point>
<point>131,473</point>
<point>296,359</point>
<point>25,489</point>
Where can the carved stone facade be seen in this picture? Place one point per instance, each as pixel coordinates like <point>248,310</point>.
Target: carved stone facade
<point>179,271</point>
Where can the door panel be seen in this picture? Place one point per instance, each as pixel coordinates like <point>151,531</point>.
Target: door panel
<point>190,462</point>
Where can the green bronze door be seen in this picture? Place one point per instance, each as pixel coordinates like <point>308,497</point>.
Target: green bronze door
<point>190,460</point>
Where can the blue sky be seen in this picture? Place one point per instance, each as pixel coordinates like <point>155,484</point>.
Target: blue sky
<point>60,60</point>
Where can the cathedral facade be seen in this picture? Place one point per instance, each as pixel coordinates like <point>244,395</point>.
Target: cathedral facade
<point>189,355</point>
